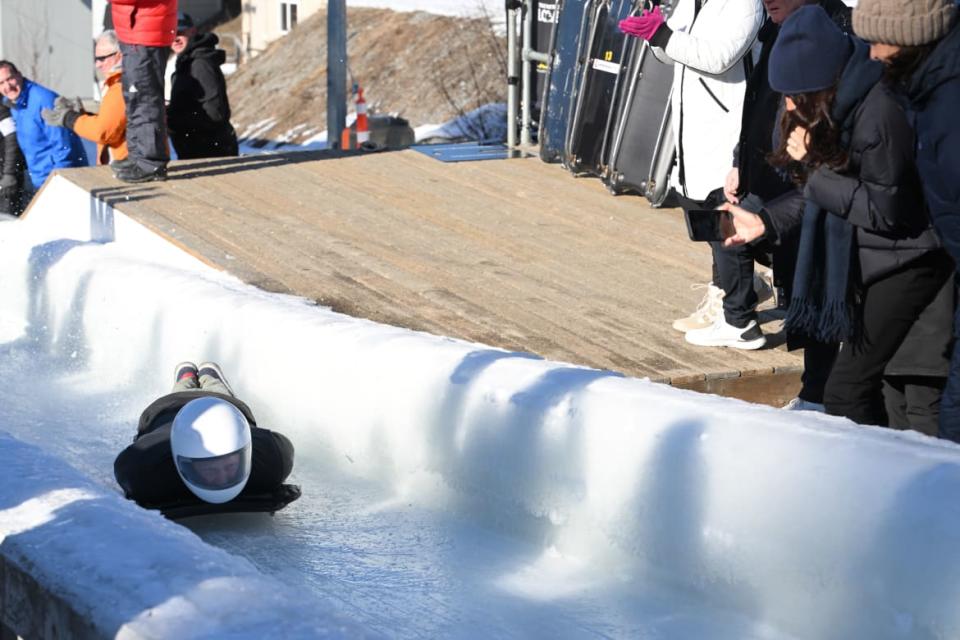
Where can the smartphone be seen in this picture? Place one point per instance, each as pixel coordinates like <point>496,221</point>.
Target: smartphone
<point>703,225</point>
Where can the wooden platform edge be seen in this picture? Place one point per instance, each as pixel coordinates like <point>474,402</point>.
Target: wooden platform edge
<point>771,386</point>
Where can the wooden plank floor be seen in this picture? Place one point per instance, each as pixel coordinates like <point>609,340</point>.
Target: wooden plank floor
<point>512,253</point>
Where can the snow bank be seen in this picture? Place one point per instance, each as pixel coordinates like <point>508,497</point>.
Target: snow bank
<point>127,573</point>
<point>803,523</point>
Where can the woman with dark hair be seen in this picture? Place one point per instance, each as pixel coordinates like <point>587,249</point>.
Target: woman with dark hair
<point>919,43</point>
<point>868,261</point>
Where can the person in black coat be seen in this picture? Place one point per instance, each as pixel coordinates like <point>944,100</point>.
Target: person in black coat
<point>757,186</point>
<point>148,474</point>
<point>198,115</point>
<point>919,43</point>
<point>11,166</point>
<point>868,260</point>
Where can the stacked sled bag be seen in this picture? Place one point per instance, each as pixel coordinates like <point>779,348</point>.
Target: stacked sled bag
<point>545,17</point>
<point>606,109</point>
<point>563,78</point>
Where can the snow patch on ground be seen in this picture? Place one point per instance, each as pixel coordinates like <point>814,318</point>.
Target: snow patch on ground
<point>487,124</point>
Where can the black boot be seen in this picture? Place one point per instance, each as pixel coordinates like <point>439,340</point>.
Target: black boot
<point>135,173</point>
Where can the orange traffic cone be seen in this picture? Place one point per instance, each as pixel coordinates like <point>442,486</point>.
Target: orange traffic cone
<point>363,127</point>
<point>354,136</point>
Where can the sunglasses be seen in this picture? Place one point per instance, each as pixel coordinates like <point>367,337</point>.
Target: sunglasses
<point>105,56</point>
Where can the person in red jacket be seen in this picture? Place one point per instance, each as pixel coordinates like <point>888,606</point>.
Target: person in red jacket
<point>146,29</point>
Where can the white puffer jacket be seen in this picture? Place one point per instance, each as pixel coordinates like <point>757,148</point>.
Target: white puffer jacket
<point>709,85</point>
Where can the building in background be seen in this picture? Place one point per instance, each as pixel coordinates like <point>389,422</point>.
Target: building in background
<point>266,20</point>
<point>50,42</point>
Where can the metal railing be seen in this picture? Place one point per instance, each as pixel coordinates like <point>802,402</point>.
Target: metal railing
<point>519,85</point>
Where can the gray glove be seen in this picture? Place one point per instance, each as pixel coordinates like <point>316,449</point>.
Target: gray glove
<point>54,117</point>
<point>76,104</point>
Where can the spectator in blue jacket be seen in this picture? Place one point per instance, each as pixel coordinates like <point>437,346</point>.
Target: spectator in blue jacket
<point>45,148</point>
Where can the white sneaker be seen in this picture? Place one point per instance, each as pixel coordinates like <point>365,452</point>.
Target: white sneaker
<point>763,285</point>
<point>799,404</point>
<point>706,312</point>
<point>721,334</point>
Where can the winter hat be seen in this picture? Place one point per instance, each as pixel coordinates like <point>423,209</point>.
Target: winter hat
<point>809,53</point>
<point>903,22</point>
<point>184,22</point>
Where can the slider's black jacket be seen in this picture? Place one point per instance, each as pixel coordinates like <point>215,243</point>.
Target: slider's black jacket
<point>146,470</point>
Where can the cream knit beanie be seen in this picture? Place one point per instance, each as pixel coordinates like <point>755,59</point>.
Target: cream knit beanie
<point>903,22</point>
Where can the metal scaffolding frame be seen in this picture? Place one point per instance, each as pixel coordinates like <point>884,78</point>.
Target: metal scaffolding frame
<point>519,90</point>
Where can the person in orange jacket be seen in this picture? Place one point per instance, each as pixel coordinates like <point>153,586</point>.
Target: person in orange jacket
<point>146,29</point>
<point>108,128</point>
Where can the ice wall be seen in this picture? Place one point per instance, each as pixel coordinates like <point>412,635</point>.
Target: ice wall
<point>802,522</point>
<point>109,571</point>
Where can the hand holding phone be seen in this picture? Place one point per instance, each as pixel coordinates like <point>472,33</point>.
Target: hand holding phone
<point>703,225</point>
<point>740,226</point>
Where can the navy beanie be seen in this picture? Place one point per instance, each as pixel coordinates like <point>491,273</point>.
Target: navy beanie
<point>810,52</point>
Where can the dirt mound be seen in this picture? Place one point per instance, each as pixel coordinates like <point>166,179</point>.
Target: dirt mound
<point>422,67</point>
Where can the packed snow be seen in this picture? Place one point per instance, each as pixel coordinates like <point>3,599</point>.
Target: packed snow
<point>450,489</point>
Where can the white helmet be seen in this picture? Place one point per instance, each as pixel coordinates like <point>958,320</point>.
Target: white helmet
<point>212,449</point>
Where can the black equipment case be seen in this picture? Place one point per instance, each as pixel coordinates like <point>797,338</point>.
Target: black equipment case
<point>599,57</point>
<point>642,148</point>
<point>562,79</point>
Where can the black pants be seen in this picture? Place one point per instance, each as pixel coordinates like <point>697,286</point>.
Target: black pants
<point>733,272</point>
<point>913,402</point>
<point>818,361</point>
<point>11,201</point>
<point>143,93</point>
<point>890,307</point>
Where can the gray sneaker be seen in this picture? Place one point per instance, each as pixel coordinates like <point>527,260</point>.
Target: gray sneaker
<point>706,313</point>
<point>212,370</point>
<point>184,370</point>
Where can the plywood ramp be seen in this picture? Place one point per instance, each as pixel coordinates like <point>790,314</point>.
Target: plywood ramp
<point>512,253</point>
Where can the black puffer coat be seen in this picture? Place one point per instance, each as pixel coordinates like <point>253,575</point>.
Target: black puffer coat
<point>198,115</point>
<point>146,470</point>
<point>880,192</point>
<point>780,202</point>
<point>882,196</point>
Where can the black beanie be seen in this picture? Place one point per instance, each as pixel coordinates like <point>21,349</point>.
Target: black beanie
<point>810,52</point>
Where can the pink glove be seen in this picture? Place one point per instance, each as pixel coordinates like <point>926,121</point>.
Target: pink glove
<point>643,26</point>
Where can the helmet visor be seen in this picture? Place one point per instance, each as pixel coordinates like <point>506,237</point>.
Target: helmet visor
<point>220,472</point>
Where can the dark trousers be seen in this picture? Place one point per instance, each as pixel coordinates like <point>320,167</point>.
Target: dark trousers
<point>913,402</point>
<point>818,361</point>
<point>890,307</point>
<point>950,404</point>
<point>143,93</point>
<point>733,272</point>
<point>11,201</point>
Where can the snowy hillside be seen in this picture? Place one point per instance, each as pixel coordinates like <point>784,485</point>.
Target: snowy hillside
<point>426,68</point>
<point>441,7</point>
